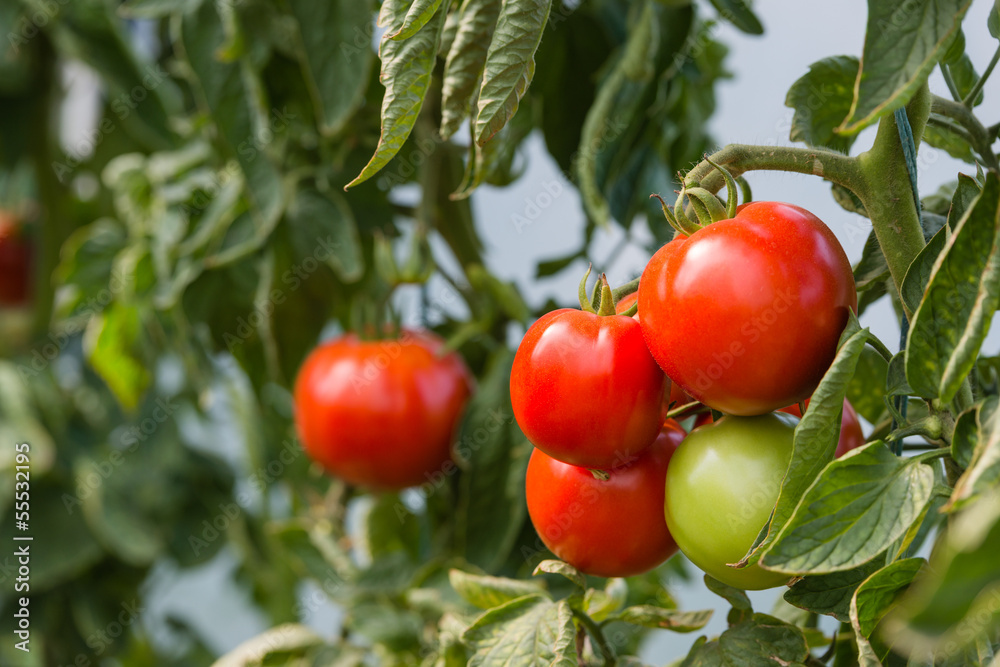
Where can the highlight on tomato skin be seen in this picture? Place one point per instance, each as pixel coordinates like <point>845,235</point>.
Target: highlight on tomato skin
<point>610,527</point>
<point>381,413</point>
<point>585,390</point>
<point>721,309</point>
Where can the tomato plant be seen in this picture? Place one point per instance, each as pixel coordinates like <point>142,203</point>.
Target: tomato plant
<point>851,435</point>
<point>585,390</point>
<point>382,414</point>
<point>579,514</point>
<point>721,486</point>
<point>721,309</point>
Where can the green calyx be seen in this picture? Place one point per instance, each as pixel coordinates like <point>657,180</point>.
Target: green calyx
<point>603,300</point>
<point>707,207</point>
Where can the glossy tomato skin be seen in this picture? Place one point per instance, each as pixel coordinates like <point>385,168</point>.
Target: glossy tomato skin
<point>381,414</point>
<point>746,313</point>
<point>15,263</point>
<point>722,483</point>
<point>851,435</point>
<point>607,528</point>
<point>585,390</point>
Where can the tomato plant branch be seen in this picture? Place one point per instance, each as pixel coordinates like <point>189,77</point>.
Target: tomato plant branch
<point>970,99</point>
<point>950,82</point>
<point>880,347</point>
<point>981,138</point>
<point>596,636</point>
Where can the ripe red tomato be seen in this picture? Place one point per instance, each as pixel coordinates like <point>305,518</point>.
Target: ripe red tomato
<point>608,528</point>
<point>851,435</point>
<point>721,486</point>
<point>626,302</point>
<point>745,314</point>
<point>15,263</point>
<point>584,388</point>
<point>381,414</point>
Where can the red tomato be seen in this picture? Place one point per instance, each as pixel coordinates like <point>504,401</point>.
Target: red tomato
<point>608,528</point>
<point>745,314</point>
<point>585,390</point>
<point>381,414</point>
<point>626,303</point>
<point>15,263</point>
<point>851,435</point>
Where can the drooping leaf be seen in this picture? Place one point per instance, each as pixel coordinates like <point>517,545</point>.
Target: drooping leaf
<point>336,56</point>
<point>463,68</point>
<point>738,13</point>
<point>919,272</point>
<point>417,16</point>
<point>958,305</point>
<point>323,227</point>
<point>510,64</point>
<point>822,99</point>
<point>667,619</point>
<point>867,388</point>
<point>903,43</point>
<point>486,592</point>
<point>406,74</point>
<point>564,569</point>
<point>852,512</point>
<point>530,630</point>
<point>113,344</point>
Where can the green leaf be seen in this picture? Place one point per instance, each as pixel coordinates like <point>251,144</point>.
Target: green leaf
<point>949,326</point>
<point>417,16</point>
<point>830,594</point>
<point>956,598</point>
<point>866,390</point>
<point>565,569</point>
<point>964,74</point>
<point>336,56</point>
<point>491,509</point>
<point>895,377</point>
<point>903,43</point>
<point>734,596</point>
<point>225,92</point>
<point>983,473</point>
<point>323,227</point>
<point>872,269</point>
<point>463,69</point>
<point>848,200</point>
<point>486,592</point>
<point>919,272</point>
<point>600,604</point>
<point>551,267</point>
<point>964,196</point>
<point>113,343</point>
<point>155,9</point>
<point>951,143</point>
<point>406,74</point>
<point>510,64</point>
<point>859,505</point>
<point>816,435</point>
<point>876,595</point>
<point>529,631</point>
<point>738,13</point>
<point>760,641</point>
<point>993,22</point>
<point>822,99</point>
<point>649,616</point>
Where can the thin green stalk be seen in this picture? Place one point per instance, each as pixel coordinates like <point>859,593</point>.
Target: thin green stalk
<point>950,81</point>
<point>597,636</point>
<point>970,99</point>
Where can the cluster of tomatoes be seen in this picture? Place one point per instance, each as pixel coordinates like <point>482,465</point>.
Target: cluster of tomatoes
<point>743,316</point>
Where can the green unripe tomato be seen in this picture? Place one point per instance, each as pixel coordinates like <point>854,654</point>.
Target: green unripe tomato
<point>722,483</point>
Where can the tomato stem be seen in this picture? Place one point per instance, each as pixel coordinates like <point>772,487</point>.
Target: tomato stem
<point>584,299</point>
<point>624,290</point>
<point>596,636</point>
<point>607,304</point>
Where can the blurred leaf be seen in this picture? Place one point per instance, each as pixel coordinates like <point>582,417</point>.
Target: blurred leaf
<point>852,512</point>
<point>323,227</point>
<point>649,616</point>
<point>113,342</point>
<point>87,258</point>
<point>822,100</point>
<point>486,592</point>
<point>398,629</point>
<point>902,45</point>
<point>830,594</point>
<point>493,454</point>
<point>510,64</point>
<point>954,316</point>
<point>738,13</point>
<point>155,9</point>
<point>225,91</point>
<point>406,74</point>
<point>983,472</point>
<point>951,143</point>
<point>287,639</point>
<point>531,631</point>
<point>336,56</point>
<point>463,68</point>
<point>390,527</point>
